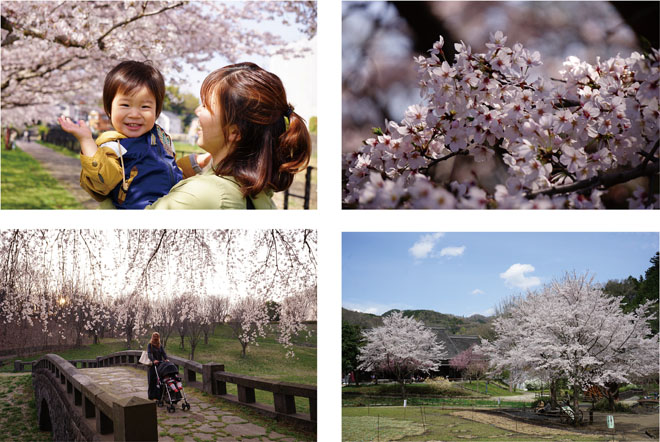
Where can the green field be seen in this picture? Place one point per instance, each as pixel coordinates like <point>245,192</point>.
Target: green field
<point>267,360</point>
<point>430,423</point>
<point>26,185</point>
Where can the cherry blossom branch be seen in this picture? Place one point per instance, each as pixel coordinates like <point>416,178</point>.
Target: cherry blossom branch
<point>606,180</point>
<point>446,157</point>
<point>99,41</point>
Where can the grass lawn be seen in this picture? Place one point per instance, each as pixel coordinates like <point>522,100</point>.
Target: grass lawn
<point>26,185</point>
<point>60,149</point>
<point>428,423</point>
<point>18,413</point>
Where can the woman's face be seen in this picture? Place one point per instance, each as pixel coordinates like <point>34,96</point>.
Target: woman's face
<point>211,138</point>
<point>133,114</point>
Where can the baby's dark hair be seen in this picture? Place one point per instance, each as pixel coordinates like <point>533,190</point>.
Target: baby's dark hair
<point>129,76</point>
<point>268,153</point>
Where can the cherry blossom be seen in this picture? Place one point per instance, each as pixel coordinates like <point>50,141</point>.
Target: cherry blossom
<point>58,52</point>
<point>76,283</point>
<point>562,143</point>
<point>400,347</point>
<point>573,330</point>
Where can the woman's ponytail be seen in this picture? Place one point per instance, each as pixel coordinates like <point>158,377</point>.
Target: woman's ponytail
<point>293,152</point>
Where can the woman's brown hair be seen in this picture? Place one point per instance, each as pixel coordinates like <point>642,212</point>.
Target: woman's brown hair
<point>155,339</point>
<point>267,153</point>
<point>129,76</point>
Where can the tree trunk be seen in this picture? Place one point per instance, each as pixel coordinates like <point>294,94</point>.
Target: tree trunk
<point>553,394</point>
<point>612,393</point>
<point>183,344</point>
<point>576,402</point>
<point>192,352</point>
<point>244,346</point>
<point>96,338</point>
<point>403,388</point>
<point>206,337</point>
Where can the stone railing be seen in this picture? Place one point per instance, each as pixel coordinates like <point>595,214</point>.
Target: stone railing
<point>214,381</point>
<point>89,409</point>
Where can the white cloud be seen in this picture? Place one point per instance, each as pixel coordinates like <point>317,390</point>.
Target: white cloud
<point>515,276</point>
<point>424,245</point>
<point>452,251</point>
<point>477,292</point>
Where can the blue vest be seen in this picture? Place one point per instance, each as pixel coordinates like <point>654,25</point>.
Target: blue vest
<point>150,162</point>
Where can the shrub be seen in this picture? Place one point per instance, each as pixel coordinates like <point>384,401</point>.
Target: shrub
<point>604,405</point>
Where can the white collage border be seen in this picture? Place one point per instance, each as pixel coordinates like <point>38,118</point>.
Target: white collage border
<point>331,221</point>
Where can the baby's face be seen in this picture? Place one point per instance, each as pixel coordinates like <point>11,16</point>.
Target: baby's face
<point>133,114</point>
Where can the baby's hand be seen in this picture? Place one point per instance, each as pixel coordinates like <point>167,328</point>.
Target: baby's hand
<point>203,159</point>
<point>78,130</point>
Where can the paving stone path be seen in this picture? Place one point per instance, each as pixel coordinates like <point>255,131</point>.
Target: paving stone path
<point>206,420</point>
<point>64,169</point>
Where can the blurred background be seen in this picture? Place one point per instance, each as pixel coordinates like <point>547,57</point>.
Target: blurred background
<point>380,39</point>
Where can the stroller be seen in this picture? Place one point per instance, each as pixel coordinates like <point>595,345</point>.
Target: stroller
<point>169,384</point>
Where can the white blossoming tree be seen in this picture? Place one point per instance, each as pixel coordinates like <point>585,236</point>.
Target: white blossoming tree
<point>69,284</point>
<point>249,319</point>
<point>572,330</point>
<point>560,142</point>
<point>399,348</point>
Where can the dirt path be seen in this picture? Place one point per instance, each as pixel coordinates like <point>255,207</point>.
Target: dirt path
<point>64,169</point>
<point>525,397</point>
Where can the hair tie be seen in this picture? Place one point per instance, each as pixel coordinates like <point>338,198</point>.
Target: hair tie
<point>287,116</point>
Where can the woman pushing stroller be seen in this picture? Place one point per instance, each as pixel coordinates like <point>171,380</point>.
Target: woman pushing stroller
<point>156,354</point>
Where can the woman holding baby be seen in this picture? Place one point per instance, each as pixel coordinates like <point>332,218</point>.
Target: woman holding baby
<point>256,143</point>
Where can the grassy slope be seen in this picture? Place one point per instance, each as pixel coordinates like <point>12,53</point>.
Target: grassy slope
<point>268,360</point>
<point>26,185</point>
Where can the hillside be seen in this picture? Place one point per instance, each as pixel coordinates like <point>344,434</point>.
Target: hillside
<point>457,325</point>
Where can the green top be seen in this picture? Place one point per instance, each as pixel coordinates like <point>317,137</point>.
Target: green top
<point>209,191</point>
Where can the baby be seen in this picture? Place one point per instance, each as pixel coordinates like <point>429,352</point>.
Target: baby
<point>135,164</point>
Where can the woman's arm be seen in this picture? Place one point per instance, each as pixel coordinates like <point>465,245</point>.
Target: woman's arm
<point>149,353</point>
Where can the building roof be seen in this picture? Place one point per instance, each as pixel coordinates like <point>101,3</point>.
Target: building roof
<point>455,344</point>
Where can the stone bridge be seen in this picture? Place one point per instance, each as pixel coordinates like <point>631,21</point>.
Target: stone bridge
<point>106,399</point>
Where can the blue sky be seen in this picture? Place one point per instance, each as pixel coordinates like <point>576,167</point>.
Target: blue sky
<point>467,273</point>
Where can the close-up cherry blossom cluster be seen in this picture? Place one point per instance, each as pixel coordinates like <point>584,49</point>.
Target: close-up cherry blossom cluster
<point>566,142</point>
